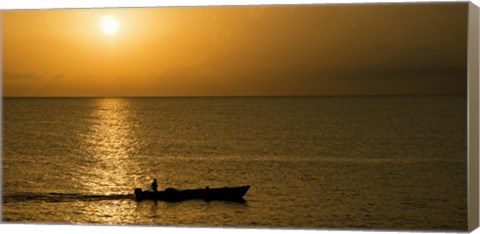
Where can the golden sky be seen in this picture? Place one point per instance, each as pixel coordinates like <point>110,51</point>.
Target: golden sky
<point>386,49</point>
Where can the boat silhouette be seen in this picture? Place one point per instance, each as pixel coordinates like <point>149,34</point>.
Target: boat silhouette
<point>208,194</point>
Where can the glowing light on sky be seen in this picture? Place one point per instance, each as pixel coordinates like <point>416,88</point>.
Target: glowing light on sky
<point>110,25</point>
<point>364,49</point>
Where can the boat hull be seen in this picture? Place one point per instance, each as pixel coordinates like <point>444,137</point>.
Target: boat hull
<point>174,195</point>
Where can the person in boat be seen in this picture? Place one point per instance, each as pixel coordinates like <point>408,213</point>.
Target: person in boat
<point>154,185</point>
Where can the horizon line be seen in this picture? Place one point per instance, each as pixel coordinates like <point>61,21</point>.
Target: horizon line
<point>242,96</point>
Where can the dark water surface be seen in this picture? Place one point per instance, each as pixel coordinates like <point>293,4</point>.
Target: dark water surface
<point>312,162</point>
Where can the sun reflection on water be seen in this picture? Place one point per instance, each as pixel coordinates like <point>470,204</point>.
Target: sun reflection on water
<point>110,146</point>
<point>110,168</point>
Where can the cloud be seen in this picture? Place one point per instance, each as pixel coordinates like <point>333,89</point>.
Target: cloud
<point>22,76</point>
<point>8,75</point>
<point>28,84</point>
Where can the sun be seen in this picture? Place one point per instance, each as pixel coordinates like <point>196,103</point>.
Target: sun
<point>110,25</point>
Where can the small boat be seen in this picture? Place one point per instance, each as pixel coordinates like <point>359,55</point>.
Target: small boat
<point>208,194</point>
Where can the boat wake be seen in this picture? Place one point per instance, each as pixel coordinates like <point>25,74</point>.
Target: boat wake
<point>61,197</point>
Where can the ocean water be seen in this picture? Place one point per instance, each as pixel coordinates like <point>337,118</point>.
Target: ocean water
<point>312,162</point>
